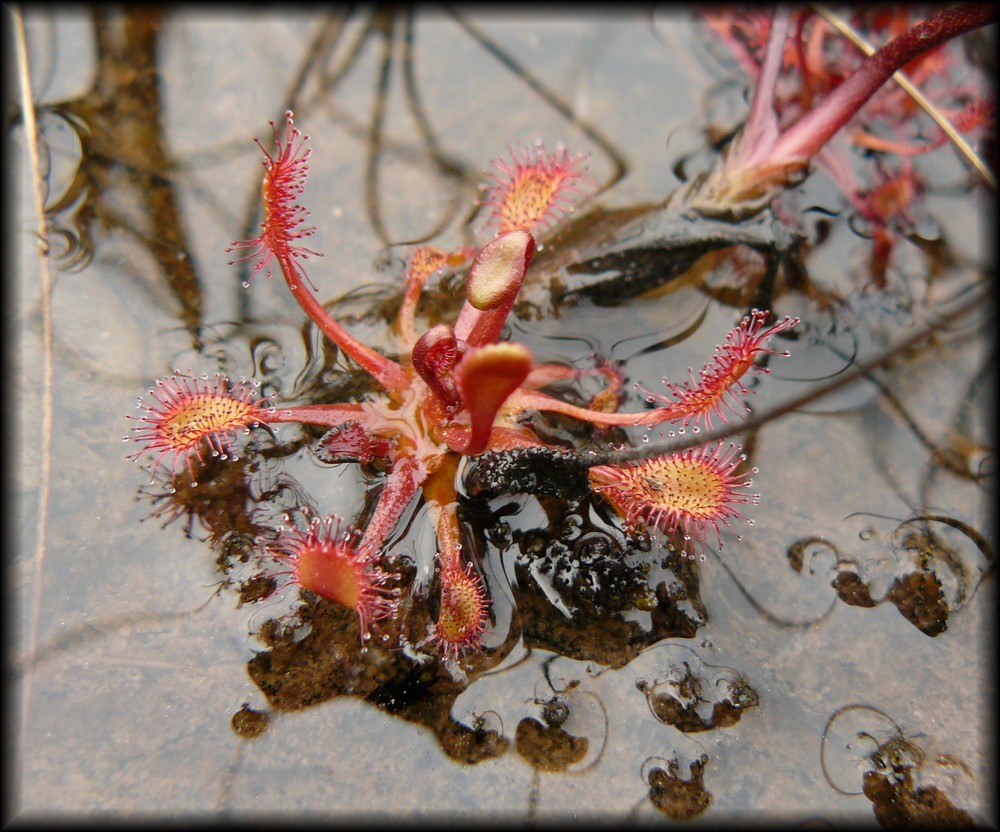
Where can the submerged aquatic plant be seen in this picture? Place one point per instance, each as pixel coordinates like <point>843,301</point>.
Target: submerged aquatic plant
<point>459,390</point>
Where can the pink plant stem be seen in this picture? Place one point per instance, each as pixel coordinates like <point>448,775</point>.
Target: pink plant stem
<point>449,536</point>
<point>385,371</point>
<point>329,415</point>
<point>762,123</point>
<point>813,130</point>
<point>401,485</point>
<point>523,399</point>
<point>408,307</point>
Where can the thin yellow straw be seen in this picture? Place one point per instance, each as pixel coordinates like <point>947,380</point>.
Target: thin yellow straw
<point>44,462</point>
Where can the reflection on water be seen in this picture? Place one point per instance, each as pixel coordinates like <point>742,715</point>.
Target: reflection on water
<point>125,179</point>
<point>612,665</point>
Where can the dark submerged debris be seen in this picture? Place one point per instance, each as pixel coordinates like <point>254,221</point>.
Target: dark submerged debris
<point>677,798</point>
<point>548,747</point>
<point>250,723</point>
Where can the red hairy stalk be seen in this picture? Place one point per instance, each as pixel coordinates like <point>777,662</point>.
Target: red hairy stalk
<point>400,487</point>
<point>284,182</point>
<point>695,400</point>
<point>716,384</point>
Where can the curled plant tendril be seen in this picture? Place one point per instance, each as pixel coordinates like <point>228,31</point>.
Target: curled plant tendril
<point>837,714</point>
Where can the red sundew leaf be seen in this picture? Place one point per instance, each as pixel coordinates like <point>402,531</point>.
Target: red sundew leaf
<point>462,614</point>
<point>699,398</point>
<point>186,413</point>
<point>284,181</point>
<point>534,189</point>
<point>327,560</point>
<point>689,491</point>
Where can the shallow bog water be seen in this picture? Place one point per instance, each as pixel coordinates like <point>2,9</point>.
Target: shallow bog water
<point>131,656</point>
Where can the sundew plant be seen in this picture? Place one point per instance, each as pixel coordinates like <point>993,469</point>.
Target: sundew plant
<point>507,502</point>
<point>455,392</point>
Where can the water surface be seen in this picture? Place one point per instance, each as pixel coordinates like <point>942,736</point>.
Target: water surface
<point>132,658</point>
